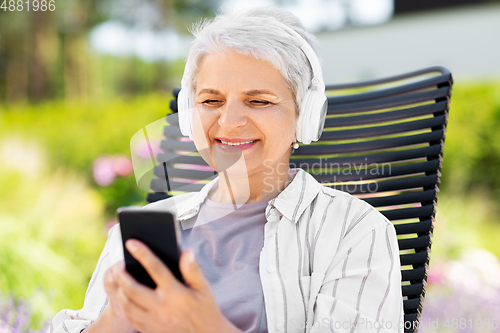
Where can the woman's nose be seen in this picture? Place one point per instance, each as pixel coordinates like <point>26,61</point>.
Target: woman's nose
<point>232,116</point>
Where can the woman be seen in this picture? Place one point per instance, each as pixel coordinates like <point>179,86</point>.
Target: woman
<point>275,250</point>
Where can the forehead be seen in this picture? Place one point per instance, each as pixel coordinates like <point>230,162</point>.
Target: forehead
<point>232,70</point>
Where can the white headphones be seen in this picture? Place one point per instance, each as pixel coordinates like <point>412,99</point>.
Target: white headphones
<point>313,105</point>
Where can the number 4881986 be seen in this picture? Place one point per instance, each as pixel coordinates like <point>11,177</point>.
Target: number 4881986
<point>33,5</point>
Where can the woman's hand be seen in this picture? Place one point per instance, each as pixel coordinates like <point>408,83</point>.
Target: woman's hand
<point>114,312</point>
<point>172,306</point>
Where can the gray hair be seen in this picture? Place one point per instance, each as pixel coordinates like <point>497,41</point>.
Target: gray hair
<point>255,32</point>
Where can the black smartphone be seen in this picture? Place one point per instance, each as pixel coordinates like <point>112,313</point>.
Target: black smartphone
<point>159,230</point>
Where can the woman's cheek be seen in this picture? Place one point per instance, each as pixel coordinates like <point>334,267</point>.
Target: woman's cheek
<point>200,135</point>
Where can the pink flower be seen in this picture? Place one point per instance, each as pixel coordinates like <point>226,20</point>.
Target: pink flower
<point>109,224</point>
<point>142,149</point>
<point>435,274</point>
<point>122,165</point>
<point>103,170</point>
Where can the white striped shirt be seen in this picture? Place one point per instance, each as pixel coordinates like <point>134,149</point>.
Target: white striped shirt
<point>330,263</point>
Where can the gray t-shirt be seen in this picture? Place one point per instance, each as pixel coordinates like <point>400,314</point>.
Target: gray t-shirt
<point>227,245</point>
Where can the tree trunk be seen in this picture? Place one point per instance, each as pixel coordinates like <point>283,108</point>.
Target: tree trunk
<point>43,55</point>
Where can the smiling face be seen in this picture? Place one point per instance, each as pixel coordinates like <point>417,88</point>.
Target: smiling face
<point>243,106</point>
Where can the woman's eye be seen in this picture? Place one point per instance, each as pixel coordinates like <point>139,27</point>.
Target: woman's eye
<point>260,102</point>
<point>211,101</point>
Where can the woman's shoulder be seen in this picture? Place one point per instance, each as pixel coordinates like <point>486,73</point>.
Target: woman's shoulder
<point>356,212</point>
<point>114,244</point>
<point>342,197</point>
<point>337,207</point>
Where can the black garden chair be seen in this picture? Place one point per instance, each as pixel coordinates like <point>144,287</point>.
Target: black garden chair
<point>382,142</point>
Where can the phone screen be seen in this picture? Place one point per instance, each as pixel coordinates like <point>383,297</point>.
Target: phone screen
<point>159,231</point>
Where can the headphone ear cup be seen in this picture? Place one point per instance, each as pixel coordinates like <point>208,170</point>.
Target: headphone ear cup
<point>312,116</point>
<point>185,113</point>
<point>301,131</point>
<point>319,107</point>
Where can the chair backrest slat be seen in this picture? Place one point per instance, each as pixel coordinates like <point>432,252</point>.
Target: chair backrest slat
<point>172,131</point>
<point>409,213</point>
<point>389,185</point>
<point>379,117</point>
<point>372,145</point>
<point>413,243</point>
<point>393,91</point>
<point>356,160</point>
<point>411,304</point>
<point>160,185</point>
<point>402,199</point>
<point>171,158</point>
<point>416,227</point>
<point>370,132</point>
<point>335,174</point>
<point>414,258</point>
<point>411,317</point>
<point>388,102</point>
<point>413,274</point>
<point>173,145</point>
<point>159,171</point>
<point>413,290</point>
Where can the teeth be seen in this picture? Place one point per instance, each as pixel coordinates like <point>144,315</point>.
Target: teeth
<point>236,143</point>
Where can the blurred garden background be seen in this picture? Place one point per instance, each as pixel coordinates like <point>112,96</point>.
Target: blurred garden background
<point>78,82</point>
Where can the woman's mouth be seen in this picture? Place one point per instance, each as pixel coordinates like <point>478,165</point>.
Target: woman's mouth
<point>237,143</point>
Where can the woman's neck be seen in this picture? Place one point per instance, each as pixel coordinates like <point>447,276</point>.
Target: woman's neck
<point>250,188</point>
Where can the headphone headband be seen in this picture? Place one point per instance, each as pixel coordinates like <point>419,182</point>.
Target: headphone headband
<point>317,79</point>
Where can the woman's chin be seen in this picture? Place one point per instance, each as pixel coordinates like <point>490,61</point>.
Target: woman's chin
<point>226,156</point>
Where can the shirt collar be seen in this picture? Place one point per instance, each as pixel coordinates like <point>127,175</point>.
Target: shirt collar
<point>191,207</point>
<point>297,196</point>
<point>290,203</point>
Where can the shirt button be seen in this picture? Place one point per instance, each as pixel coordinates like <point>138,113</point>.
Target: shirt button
<point>270,269</point>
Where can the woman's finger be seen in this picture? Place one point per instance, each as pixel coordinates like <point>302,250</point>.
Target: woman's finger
<point>135,314</point>
<point>158,271</point>
<point>110,284</point>
<point>134,291</point>
<point>109,280</point>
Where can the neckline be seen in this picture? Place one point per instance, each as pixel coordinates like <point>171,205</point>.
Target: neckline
<point>227,205</point>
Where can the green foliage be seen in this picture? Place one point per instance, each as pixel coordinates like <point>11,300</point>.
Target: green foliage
<point>75,134</point>
<point>123,192</point>
<point>472,152</point>
<point>51,226</point>
<point>51,48</point>
<point>464,221</point>
<point>468,210</point>
<point>131,76</point>
<point>52,214</point>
